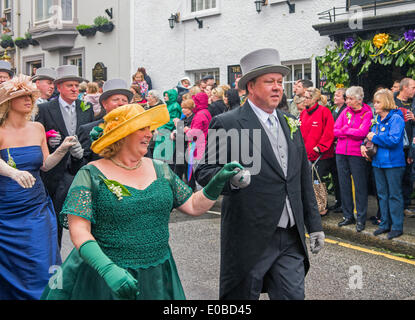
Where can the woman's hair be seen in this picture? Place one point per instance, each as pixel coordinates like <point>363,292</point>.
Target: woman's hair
<point>317,96</point>
<point>298,99</point>
<point>188,104</point>
<point>218,92</point>
<point>112,149</point>
<point>156,94</point>
<point>92,87</point>
<point>356,92</point>
<point>385,97</point>
<point>138,73</point>
<point>283,105</point>
<point>194,90</point>
<point>5,107</point>
<point>233,97</point>
<point>225,87</point>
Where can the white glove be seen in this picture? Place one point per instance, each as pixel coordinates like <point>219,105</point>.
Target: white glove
<point>76,150</point>
<point>23,178</point>
<point>55,141</point>
<point>316,241</point>
<point>242,179</point>
<point>53,159</point>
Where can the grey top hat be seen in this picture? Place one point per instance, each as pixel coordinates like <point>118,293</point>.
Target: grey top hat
<point>45,74</point>
<point>5,66</point>
<point>260,62</point>
<point>67,73</point>
<point>115,86</point>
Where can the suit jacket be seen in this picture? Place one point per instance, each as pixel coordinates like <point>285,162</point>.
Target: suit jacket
<point>250,216</point>
<point>86,142</point>
<point>59,179</point>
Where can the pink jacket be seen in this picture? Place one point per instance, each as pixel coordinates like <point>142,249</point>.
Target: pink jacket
<point>200,123</point>
<point>351,133</point>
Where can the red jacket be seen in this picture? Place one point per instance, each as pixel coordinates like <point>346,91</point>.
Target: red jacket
<point>317,129</point>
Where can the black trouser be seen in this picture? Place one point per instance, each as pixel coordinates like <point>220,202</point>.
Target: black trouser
<point>357,167</point>
<point>279,271</point>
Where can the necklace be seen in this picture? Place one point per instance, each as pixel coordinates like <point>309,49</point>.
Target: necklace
<point>124,166</point>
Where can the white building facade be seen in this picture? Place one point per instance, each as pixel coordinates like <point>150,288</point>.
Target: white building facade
<point>52,23</point>
<point>233,28</point>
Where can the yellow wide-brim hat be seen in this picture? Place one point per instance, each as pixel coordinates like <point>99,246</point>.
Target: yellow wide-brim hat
<point>127,119</point>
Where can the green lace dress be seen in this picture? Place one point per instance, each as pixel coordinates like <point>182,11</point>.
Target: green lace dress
<point>133,232</point>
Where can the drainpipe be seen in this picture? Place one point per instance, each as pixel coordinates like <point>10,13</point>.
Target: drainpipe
<point>18,64</point>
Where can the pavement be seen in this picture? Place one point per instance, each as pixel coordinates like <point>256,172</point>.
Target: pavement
<point>404,244</point>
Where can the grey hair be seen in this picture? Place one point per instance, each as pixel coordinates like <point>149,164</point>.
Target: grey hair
<point>356,92</point>
<point>156,94</point>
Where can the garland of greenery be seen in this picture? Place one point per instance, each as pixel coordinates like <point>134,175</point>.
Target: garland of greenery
<point>384,49</point>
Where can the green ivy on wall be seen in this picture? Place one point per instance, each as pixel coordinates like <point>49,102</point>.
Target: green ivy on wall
<point>384,49</point>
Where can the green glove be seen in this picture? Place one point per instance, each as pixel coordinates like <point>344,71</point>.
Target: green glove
<point>215,186</point>
<point>118,279</point>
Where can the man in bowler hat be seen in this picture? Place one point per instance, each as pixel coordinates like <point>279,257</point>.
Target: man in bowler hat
<point>115,94</point>
<point>263,247</point>
<point>6,72</point>
<point>64,115</point>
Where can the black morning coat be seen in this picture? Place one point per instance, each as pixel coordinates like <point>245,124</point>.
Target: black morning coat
<point>59,179</point>
<point>250,216</point>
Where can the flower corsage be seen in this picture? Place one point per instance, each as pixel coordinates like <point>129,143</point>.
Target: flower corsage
<point>349,116</point>
<point>10,160</point>
<point>116,188</point>
<point>293,124</point>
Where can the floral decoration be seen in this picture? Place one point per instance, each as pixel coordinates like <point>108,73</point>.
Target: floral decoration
<point>293,124</point>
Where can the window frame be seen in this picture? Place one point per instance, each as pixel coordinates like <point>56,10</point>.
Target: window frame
<point>37,23</point>
<point>8,11</point>
<point>291,64</point>
<point>189,15</point>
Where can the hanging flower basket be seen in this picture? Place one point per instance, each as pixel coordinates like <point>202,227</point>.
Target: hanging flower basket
<point>103,24</point>
<point>107,27</point>
<point>6,43</point>
<point>86,30</point>
<point>21,43</point>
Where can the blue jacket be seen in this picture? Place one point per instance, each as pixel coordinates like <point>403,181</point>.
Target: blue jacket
<point>389,139</point>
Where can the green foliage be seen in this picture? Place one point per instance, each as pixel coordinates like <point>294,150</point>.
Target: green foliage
<point>334,64</point>
<point>28,36</point>
<point>6,37</point>
<point>19,38</point>
<point>99,21</point>
<point>83,27</point>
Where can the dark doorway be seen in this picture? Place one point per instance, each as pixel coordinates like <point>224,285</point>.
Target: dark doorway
<point>378,75</point>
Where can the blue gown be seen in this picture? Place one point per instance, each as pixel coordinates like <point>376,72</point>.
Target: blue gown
<point>28,231</point>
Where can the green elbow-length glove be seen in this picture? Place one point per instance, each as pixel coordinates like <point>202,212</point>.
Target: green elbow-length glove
<point>215,186</point>
<point>118,279</point>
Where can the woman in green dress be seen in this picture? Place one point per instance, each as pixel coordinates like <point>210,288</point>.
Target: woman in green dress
<point>118,210</point>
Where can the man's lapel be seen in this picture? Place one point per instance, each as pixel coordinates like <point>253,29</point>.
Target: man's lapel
<point>56,114</point>
<point>293,158</point>
<point>249,120</point>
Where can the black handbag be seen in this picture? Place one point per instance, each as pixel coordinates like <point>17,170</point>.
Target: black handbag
<point>370,146</point>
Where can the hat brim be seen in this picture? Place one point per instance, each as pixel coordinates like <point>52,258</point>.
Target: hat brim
<point>153,118</point>
<point>261,71</point>
<point>11,73</point>
<point>35,78</point>
<point>21,93</point>
<point>79,79</point>
<point>109,93</point>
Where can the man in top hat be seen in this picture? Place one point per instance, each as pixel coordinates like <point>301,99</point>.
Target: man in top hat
<point>64,115</point>
<point>115,94</point>
<point>6,72</point>
<point>263,246</point>
<point>44,79</point>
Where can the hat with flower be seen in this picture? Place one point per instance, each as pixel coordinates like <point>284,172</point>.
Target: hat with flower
<point>125,120</point>
<point>20,85</point>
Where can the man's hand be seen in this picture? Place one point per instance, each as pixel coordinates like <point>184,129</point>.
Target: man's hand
<point>316,241</point>
<point>55,141</point>
<point>76,150</point>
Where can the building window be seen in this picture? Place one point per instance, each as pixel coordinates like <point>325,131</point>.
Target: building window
<point>199,74</point>
<point>43,10</point>
<point>6,19</point>
<point>76,61</point>
<point>298,71</point>
<point>200,5</point>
